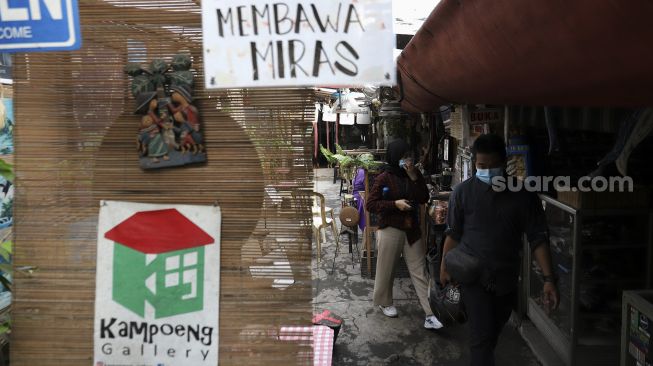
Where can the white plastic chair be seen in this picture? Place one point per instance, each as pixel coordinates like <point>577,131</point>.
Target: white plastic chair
<point>322,219</point>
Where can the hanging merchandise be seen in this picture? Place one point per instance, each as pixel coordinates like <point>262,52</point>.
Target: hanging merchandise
<point>337,130</point>
<point>354,102</point>
<point>364,131</point>
<point>519,161</point>
<point>347,119</point>
<point>316,134</point>
<point>551,119</point>
<point>327,114</point>
<point>316,140</point>
<point>363,118</point>
<point>318,109</point>
<point>640,131</point>
<point>446,148</point>
<point>625,129</point>
<point>328,135</point>
<point>464,165</point>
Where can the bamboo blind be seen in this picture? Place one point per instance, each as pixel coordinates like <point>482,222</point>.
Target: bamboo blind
<point>76,145</point>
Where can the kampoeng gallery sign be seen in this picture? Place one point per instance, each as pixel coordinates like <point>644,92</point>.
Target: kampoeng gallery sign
<point>157,286</point>
<point>260,43</point>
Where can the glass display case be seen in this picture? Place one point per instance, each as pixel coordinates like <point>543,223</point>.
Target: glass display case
<point>597,254</point>
<point>636,318</point>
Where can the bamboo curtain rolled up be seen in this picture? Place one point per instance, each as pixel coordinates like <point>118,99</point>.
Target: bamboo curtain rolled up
<point>76,145</point>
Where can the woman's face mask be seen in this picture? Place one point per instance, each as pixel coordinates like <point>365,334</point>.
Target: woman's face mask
<point>404,162</point>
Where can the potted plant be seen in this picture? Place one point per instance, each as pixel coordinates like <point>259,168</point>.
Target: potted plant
<point>349,163</point>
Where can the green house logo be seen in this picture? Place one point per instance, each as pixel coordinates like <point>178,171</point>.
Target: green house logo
<point>158,259</point>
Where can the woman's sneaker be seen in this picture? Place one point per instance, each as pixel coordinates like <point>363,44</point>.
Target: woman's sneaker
<point>389,311</point>
<point>431,322</point>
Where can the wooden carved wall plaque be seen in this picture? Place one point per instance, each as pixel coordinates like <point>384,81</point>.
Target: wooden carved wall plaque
<point>170,132</point>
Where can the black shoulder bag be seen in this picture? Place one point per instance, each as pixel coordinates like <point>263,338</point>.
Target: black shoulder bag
<point>468,269</point>
<point>462,267</point>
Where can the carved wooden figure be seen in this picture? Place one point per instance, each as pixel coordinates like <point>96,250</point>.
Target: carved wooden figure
<point>170,124</point>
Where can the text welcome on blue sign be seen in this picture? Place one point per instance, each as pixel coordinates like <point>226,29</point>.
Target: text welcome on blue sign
<point>39,25</point>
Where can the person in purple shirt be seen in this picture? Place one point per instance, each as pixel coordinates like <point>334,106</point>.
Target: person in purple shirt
<point>359,185</point>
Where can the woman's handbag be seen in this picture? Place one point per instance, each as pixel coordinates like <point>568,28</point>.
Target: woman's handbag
<point>462,267</point>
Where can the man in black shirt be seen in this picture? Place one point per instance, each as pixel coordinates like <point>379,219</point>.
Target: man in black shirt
<point>489,226</point>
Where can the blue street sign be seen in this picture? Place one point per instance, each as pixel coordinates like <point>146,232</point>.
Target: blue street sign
<point>39,25</point>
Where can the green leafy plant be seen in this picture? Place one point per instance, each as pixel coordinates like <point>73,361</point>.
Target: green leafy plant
<point>330,157</point>
<point>349,163</point>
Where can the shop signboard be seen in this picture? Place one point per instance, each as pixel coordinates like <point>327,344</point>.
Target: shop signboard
<point>157,285</point>
<point>46,25</point>
<point>485,115</point>
<point>255,43</point>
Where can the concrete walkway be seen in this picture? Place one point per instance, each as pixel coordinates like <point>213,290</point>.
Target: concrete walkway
<point>370,338</point>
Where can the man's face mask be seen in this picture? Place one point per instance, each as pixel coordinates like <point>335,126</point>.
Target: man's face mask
<point>486,175</point>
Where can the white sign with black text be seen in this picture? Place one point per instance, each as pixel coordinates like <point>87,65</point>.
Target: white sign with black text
<point>259,43</point>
